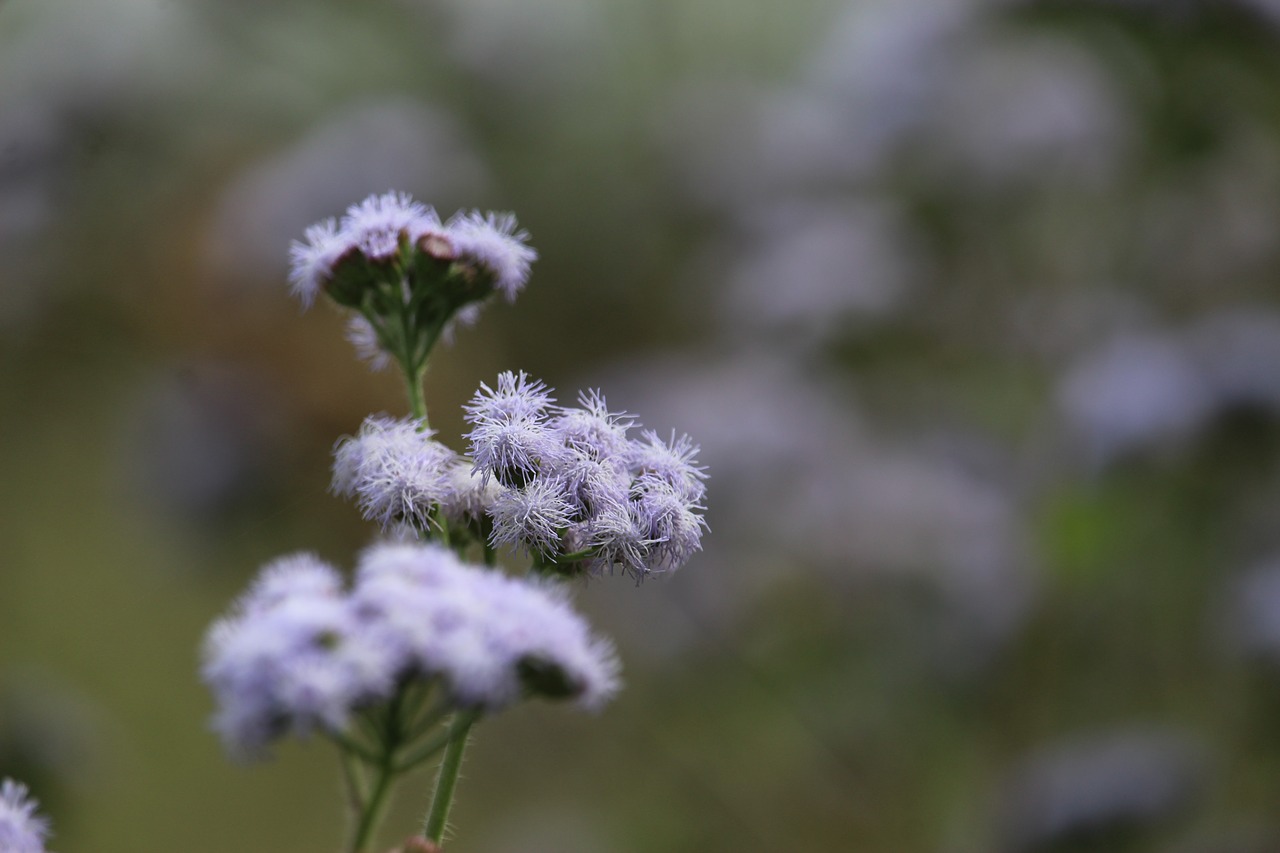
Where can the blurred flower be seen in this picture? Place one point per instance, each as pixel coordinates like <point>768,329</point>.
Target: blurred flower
<point>1084,788</point>
<point>291,657</point>
<point>1028,109</point>
<point>1253,616</point>
<point>204,439</point>
<point>814,270</point>
<point>496,243</point>
<point>378,143</point>
<point>491,637</point>
<point>1239,348</point>
<point>298,653</point>
<point>535,48</point>
<point>1134,391</point>
<point>21,829</point>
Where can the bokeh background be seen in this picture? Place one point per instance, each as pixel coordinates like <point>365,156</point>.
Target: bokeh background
<point>971,305</point>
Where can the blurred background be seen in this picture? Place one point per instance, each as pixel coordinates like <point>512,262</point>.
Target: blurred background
<point>972,306</point>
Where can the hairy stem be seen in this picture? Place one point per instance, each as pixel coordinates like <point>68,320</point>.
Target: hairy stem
<point>447,780</point>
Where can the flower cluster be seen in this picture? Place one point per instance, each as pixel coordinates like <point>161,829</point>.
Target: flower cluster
<point>567,484</point>
<point>300,653</point>
<point>21,829</point>
<point>578,491</point>
<point>408,275</point>
<point>419,636</point>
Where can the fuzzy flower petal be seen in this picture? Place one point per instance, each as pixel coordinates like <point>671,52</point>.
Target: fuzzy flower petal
<point>21,829</point>
<point>361,335</point>
<point>291,657</point>
<point>311,262</point>
<point>670,461</point>
<point>394,470</point>
<point>491,637</point>
<point>495,242</point>
<point>375,225</point>
<point>532,516</point>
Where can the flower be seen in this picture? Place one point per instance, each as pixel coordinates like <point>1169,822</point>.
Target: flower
<point>312,261</point>
<point>394,470</point>
<point>361,334</point>
<point>576,483</point>
<point>532,516</point>
<point>299,653</point>
<point>492,638</point>
<point>375,225</point>
<point>509,438</point>
<point>291,657</point>
<point>495,243</point>
<point>21,829</point>
<point>475,255</point>
<point>469,498</point>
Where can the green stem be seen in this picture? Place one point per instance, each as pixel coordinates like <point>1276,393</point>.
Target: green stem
<point>425,751</point>
<point>374,809</point>
<point>447,780</point>
<point>354,780</point>
<point>413,384</point>
<point>353,747</point>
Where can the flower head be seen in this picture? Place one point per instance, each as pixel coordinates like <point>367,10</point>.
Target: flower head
<point>21,829</point>
<point>469,497</point>
<point>577,483</point>
<point>480,630</point>
<point>592,430</point>
<point>533,516</point>
<point>291,657</point>
<point>312,262</point>
<point>394,470</point>
<point>375,225</point>
<point>495,243</point>
<point>510,440</point>
<point>669,461</point>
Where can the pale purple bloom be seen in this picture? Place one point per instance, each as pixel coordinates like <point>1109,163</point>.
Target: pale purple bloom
<point>478,629</point>
<point>296,575</point>
<point>21,829</point>
<point>515,396</point>
<point>394,470</point>
<point>312,261</point>
<point>509,439</point>
<point>375,225</point>
<point>576,482</point>
<point>592,430</point>
<point>533,516</point>
<point>670,461</point>
<point>291,657</point>
<point>484,251</point>
<point>298,653</point>
<point>469,496</point>
<point>669,520</point>
<point>592,485</point>
<point>494,242</point>
<point>619,538</point>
